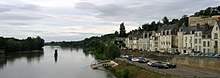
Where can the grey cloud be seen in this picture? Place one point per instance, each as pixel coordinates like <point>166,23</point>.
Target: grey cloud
<point>5,7</point>
<point>142,10</point>
<point>17,23</point>
<point>82,33</point>
<point>33,31</point>
<point>22,16</point>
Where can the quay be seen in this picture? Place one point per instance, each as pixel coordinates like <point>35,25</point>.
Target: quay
<point>105,63</point>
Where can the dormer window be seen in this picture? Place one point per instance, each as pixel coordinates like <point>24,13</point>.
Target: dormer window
<point>216,28</point>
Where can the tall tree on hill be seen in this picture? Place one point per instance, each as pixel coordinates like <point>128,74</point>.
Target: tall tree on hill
<point>165,20</point>
<point>122,30</point>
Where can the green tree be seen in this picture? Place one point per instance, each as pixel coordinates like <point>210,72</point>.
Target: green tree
<point>122,30</point>
<point>165,20</point>
<point>145,26</point>
<point>207,12</point>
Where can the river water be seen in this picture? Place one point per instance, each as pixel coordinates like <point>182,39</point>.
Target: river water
<point>70,63</point>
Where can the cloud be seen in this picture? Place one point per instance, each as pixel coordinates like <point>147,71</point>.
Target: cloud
<point>10,7</point>
<point>17,23</point>
<point>21,16</point>
<point>77,19</point>
<point>142,10</point>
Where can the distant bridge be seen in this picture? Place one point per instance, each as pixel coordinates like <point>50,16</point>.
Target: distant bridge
<point>105,63</point>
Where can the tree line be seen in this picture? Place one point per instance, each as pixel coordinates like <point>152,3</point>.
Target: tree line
<point>210,11</point>
<point>13,44</point>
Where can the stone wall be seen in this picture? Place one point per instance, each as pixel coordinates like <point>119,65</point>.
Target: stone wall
<point>202,20</point>
<point>204,62</point>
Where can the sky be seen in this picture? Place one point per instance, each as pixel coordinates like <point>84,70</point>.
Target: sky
<point>73,20</point>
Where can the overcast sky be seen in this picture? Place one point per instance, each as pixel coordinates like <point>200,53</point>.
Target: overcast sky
<point>70,20</point>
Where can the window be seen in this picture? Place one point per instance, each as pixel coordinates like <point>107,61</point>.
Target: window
<point>208,44</point>
<point>216,44</point>
<point>203,50</point>
<point>215,36</point>
<point>185,39</point>
<point>191,45</point>
<point>200,34</point>
<point>196,34</point>
<point>204,43</point>
<point>216,28</point>
<point>199,48</point>
<point>199,41</point>
<point>195,41</point>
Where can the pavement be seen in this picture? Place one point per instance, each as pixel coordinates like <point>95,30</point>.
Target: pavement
<point>179,71</point>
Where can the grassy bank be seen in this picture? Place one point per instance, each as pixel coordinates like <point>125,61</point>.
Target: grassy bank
<point>125,70</point>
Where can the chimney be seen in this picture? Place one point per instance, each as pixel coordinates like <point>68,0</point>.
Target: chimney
<point>197,26</point>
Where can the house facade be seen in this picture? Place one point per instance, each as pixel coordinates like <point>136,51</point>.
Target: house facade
<point>185,40</point>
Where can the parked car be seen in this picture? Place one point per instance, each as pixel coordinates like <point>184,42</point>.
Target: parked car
<point>143,60</point>
<point>171,65</point>
<point>150,63</point>
<point>124,56</point>
<point>216,55</point>
<point>160,65</point>
<point>135,59</point>
<point>130,57</point>
<point>211,54</point>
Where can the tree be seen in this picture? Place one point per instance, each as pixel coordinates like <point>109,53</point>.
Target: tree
<point>153,25</point>
<point>139,29</point>
<point>184,19</point>
<point>122,30</point>
<point>207,12</point>
<point>201,12</point>
<point>145,26</point>
<point>116,33</point>
<point>165,20</point>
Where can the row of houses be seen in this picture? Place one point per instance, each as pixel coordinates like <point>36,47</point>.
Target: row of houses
<point>173,39</point>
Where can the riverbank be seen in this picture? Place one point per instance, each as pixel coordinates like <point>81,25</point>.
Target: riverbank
<point>126,70</point>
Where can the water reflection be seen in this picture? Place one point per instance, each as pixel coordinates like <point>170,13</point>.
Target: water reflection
<point>11,58</point>
<point>55,55</point>
<point>72,63</point>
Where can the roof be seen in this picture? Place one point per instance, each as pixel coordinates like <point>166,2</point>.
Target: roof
<point>167,27</point>
<point>205,31</point>
<point>135,34</point>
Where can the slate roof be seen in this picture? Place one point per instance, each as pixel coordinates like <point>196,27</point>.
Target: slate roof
<point>167,27</point>
<point>202,28</point>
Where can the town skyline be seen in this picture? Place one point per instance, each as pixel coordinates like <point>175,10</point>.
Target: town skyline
<point>72,20</point>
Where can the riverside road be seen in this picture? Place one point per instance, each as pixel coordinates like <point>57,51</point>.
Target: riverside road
<point>179,71</point>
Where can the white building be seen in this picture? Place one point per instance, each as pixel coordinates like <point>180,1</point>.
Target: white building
<point>168,38</point>
<point>215,38</point>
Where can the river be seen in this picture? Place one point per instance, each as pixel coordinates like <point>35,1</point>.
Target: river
<point>70,63</point>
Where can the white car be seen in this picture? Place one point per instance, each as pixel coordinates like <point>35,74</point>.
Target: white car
<point>135,59</point>
<point>124,56</point>
<point>150,63</point>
